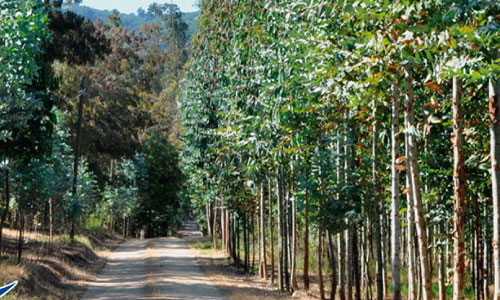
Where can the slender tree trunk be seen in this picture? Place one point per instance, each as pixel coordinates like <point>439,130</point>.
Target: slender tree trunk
<point>125,226</point>
<point>459,189</point>
<point>238,242</point>
<point>480,259</point>
<point>441,271</point>
<point>77,160</point>
<point>494,113</point>
<point>293,259</point>
<point>271,228</point>
<point>368,256</point>
<point>20,240</point>
<point>416,189</point>
<point>386,249</point>
<point>333,266</point>
<point>280,233</point>
<point>447,257</point>
<point>396,225</point>
<point>230,245</point>
<point>320,261</point>
<point>208,209</point>
<point>473,255</point>
<point>349,267</point>
<point>340,236</point>
<point>376,193</point>
<point>419,275</point>
<point>384,256</point>
<point>228,231</point>
<point>412,271</point>
<point>51,222</point>
<point>6,208</point>
<point>214,226</point>
<point>342,263</point>
<point>286,233</point>
<point>234,238</point>
<point>222,226</point>
<point>355,261</point>
<point>306,239</point>
<point>362,242</point>
<point>245,241</point>
<point>486,256</point>
<point>252,229</point>
<point>129,225</point>
<point>263,262</point>
<point>247,244</point>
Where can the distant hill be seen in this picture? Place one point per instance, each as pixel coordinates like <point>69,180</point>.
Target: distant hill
<point>132,21</point>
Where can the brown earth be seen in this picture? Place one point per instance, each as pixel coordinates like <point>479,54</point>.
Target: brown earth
<point>162,268</point>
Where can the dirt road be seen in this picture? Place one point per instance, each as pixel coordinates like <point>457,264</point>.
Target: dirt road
<point>162,268</point>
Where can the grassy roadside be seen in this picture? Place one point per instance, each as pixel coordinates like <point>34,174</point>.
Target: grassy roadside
<point>58,271</point>
<point>233,282</point>
<point>238,286</point>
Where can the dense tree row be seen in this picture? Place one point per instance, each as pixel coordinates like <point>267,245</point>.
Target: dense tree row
<point>365,130</point>
<point>88,127</point>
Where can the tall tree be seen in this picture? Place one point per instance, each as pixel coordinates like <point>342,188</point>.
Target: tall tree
<point>494,116</point>
<point>460,192</point>
<point>416,187</point>
<point>395,221</point>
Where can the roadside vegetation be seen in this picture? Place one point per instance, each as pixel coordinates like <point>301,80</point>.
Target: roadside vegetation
<point>88,126</point>
<point>89,140</point>
<point>57,268</point>
<point>354,141</point>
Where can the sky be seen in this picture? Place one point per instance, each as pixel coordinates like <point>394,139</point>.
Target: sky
<point>131,6</point>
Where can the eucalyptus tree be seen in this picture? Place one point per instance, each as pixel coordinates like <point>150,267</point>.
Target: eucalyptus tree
<point>26,120</point>
<point>306,95</point>
<point>207,97</point>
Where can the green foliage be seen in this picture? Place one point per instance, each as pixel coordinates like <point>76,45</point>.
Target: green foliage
<point>25,118</point>
<point>285,90</point>
<point>159,211</point>
<point>23,30</point>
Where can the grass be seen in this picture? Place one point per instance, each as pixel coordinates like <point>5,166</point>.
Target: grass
<point>58,270</point>
<point>233,282</point>
<point>79,239</point>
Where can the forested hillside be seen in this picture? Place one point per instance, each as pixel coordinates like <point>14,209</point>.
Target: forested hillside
<point>133,21</point>
<point>357,140</point>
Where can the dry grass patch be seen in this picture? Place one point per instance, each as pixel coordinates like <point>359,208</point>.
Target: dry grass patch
<point>234,283</point>
<point>60,271</point>
<point>150,290</point>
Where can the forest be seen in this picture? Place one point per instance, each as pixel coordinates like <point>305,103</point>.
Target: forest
<point>88,131</point>
<point>132,21</point>
<point>346,148</point>
<point>357,141</point>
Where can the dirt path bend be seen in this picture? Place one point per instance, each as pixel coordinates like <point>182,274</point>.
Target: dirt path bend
<point>162,268</point>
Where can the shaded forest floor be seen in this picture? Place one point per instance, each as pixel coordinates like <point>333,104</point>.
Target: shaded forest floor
<point>58,270</point>
<point>240,286</point>
<point>234,282</point>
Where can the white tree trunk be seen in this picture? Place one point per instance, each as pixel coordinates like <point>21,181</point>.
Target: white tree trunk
<point>417,189</point>
<point>262,236</point>
<point>395,222</point>
<point>412,291</point>
<point>376,200</point>
<point>494,113</point>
